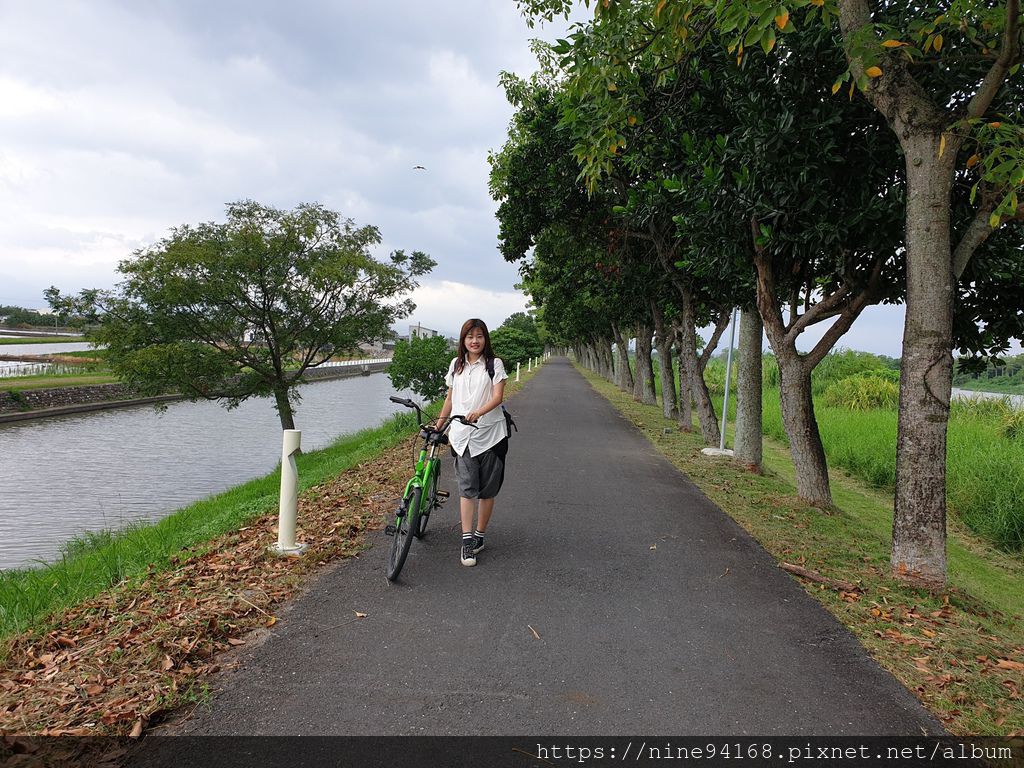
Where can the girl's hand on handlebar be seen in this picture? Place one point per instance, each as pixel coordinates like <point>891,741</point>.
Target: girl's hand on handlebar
<point>440,424</point>
<point>472,416</point>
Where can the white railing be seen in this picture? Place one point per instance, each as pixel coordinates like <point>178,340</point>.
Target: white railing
<point>30,369</point>
<point>365,361</point>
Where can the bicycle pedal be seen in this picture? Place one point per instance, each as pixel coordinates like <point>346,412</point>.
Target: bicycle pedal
<point>389,530</point>
<point>443,494</point>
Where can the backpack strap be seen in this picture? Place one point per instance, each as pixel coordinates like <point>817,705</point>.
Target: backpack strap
<point>490,368</point>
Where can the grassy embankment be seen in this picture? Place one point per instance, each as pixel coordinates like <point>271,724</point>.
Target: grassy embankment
<point>131,624</point>
<point>962,652</point>
<point>78,369</point>
<point>37,339</point>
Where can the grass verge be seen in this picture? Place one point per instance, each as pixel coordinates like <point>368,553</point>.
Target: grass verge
<point>50,381</point>
<point>131,625</point>
<point>39,339</point>
<point>961,653</point>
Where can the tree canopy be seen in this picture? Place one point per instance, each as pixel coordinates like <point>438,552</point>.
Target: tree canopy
<point>419,364</point>
<point>243,308</point>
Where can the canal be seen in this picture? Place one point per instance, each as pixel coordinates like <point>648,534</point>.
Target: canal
<point>66,475</point>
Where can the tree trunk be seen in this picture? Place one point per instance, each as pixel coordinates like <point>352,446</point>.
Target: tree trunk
<point>643,389</point>
<point>623,375</point>
<point>605,348</point>
<point>802,429</point>
<point>284,407</point>
<point>926,371</point>
<point>689,362</point>
<point>685,391</point>
<point>748,390</point>
<point>663,342</point>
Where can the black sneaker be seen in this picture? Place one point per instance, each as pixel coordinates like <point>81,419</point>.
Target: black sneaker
<point>468,556</point>
<point>478,544</point>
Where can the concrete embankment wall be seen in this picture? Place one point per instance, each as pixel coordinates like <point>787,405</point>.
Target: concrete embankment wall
<point>36,403</point>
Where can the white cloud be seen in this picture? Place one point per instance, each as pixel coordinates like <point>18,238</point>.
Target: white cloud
<point>445,305</point>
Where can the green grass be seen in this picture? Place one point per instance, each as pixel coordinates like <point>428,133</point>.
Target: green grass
<point>39,339</point>
<point>49,380</point>
<point>985,468</point>
<point>985,464</point>
<point>98,561</point>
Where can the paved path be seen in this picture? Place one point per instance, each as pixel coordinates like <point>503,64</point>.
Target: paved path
<point>702,635</point>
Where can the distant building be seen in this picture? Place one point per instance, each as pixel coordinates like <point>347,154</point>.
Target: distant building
<point>420,332</point>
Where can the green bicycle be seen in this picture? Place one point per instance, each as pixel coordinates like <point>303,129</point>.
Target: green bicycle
<point>421,496</point>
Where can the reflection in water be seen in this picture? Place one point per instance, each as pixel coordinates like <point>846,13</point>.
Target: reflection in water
<point>68,474</point>
<point>44,349</point>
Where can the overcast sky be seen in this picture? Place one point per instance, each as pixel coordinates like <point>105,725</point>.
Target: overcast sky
<point>119,121</point>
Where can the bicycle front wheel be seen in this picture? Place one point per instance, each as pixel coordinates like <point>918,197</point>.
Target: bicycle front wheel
<point>430,503</point>
<point>406,525</point>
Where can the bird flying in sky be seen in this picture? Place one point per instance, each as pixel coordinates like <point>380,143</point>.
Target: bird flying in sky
<point>418,168</point>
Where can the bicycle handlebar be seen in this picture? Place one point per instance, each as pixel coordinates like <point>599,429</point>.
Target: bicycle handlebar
<point>419,414</point>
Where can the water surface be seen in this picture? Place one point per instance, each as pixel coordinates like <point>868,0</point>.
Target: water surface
<point>63,475</point>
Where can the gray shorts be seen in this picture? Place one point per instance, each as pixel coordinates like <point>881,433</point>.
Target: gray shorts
<point>480,477</point>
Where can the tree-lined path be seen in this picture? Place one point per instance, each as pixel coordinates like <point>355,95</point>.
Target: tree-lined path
<point>654,613</point>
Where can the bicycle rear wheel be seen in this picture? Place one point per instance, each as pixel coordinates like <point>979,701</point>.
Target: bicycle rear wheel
<point>430,503</point>
<point>405,527</point>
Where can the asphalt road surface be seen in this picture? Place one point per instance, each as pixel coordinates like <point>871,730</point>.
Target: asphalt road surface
<point>613,598</point>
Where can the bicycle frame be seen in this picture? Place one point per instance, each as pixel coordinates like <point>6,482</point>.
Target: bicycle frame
<point>426,466</point>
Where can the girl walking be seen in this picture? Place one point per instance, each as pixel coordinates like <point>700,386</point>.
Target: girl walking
<point>476,387</point>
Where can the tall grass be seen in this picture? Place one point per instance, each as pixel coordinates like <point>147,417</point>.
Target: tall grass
<point>985,468</point>
<point>96,561</point>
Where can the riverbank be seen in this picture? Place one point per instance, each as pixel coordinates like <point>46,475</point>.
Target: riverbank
<point>34,403</point>
<point>961,653</point>
<point>130,626</point>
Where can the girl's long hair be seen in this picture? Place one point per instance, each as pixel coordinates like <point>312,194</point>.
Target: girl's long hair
<point>488,353</point>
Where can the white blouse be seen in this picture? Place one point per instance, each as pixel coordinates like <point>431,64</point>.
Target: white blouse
<point>471,390</point>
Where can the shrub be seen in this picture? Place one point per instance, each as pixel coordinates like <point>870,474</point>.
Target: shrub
<point>420,364</point>
<point>842,364</point>
<point>863,393</point>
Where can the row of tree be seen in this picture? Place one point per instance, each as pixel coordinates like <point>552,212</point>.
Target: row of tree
<point>675,158</point>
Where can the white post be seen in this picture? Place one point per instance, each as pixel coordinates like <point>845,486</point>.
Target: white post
<point>529,365</point>
<point>517,371</point>
<point>728,373</point>
<point>289,496</point>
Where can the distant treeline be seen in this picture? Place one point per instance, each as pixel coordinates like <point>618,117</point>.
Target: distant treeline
<point>12,317</point>
<point>1006,375</point>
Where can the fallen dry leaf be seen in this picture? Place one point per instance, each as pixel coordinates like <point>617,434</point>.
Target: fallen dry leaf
<point>534,631</point>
